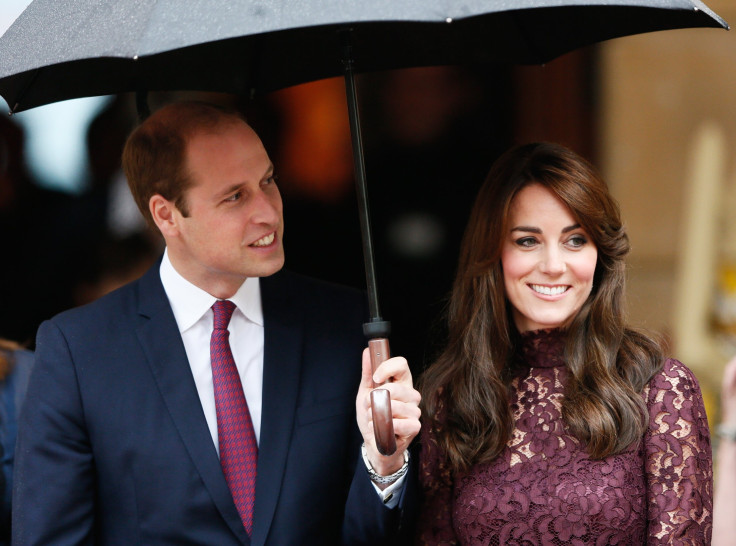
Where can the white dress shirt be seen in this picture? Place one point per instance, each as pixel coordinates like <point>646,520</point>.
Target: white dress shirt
<point>192,309</point>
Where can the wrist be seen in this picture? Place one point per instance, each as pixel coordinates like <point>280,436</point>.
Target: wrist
<point>382,464</point>
<point>380,479</point>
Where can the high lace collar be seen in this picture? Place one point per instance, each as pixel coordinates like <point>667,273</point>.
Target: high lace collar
<point>542,348</point>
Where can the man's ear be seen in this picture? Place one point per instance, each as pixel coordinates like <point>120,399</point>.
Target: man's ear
<point>165,215</point>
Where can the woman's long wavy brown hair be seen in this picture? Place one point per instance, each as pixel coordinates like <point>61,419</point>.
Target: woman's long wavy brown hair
<point>466,390</point>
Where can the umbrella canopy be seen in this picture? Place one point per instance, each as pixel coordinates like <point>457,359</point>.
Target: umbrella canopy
<point>63,49</point>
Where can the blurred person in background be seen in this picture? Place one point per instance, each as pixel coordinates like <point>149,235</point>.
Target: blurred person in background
<point>59,238</point>
<point>15,367</point>
<point>724,508</point>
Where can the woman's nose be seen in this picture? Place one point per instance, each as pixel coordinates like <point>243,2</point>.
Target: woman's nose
<point>552,262</point>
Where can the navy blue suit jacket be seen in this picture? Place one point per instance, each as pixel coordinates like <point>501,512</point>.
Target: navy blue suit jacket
<point>114,448</point>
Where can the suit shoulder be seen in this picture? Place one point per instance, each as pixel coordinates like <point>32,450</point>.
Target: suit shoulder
<point>107,308</point>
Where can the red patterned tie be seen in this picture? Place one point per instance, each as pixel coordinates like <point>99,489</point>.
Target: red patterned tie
<point>238,447</point>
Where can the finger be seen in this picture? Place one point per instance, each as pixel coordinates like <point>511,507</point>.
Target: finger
<point>366,381</point>
<point>404,432</point>
<point>402,392</point>
<point>396,369</point>
<point>400,410</point>
<point>406,416</point>
<point>406,429</point>
<point>404,402</point>
<point>364,399</point>
<point>407,412</point>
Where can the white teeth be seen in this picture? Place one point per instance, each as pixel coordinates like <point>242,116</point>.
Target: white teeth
<point>265,241</point>
<point>549,290</point>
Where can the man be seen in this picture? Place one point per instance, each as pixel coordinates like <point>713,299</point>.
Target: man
<point>128,435</point>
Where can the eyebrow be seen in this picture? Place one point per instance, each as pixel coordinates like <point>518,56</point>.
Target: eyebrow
<point>235,187</point>
<point>231,189</point>
<point>530,229</point>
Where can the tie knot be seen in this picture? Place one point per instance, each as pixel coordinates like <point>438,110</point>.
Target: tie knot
<point>223,311</point>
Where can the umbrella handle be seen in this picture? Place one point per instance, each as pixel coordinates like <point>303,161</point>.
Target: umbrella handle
<point>383,422</point>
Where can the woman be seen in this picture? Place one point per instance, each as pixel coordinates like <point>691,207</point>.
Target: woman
<point>547,419</point>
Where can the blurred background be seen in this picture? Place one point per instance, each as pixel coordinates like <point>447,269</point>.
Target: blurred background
<point>656,113</point>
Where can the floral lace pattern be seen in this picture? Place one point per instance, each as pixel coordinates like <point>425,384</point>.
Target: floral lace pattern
<point>544,489</point>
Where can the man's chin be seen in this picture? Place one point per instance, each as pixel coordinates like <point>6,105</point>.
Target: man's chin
<point>269,269</point>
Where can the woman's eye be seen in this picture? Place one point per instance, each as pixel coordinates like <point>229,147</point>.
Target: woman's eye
<point>576,241</point>
<point>526,242</point>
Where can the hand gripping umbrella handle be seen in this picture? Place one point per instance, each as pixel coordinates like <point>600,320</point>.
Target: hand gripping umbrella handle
<point>383,423</point>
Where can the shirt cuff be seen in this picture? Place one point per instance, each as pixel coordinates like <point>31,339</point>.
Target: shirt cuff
<point>390,495</point>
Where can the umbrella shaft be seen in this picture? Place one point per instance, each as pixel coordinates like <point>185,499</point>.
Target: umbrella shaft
<point>360,181</point>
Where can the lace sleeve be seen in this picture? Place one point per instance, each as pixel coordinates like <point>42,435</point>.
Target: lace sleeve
<point>435,479</point>
<point>678,459</point>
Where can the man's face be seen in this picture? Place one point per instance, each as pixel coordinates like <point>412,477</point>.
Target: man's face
<point>235,224</point>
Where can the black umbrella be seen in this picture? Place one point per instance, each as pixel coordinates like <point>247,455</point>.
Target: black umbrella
<point>63,49</point>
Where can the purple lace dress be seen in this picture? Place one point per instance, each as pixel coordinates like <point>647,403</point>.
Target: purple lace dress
<point>543,489</point>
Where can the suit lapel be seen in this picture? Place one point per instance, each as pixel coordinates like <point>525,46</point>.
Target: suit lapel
<point>283,327</point>
<point>159,336</point>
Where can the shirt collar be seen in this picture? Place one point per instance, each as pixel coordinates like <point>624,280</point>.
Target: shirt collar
<point>189,302</point>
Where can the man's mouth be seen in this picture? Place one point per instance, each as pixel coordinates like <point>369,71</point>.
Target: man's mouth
<point>265,241</point>
<point>549,290</point>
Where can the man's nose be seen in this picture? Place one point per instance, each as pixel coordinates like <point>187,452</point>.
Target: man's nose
<point>265,208</point>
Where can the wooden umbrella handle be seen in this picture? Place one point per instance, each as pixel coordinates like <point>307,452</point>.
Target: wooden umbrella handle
<point>383,423</point>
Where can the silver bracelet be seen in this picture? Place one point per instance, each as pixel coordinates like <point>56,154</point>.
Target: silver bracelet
<point>376,477</point>
<point>727,432</point>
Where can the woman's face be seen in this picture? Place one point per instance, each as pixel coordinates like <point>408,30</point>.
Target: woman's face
<point>548,261</point>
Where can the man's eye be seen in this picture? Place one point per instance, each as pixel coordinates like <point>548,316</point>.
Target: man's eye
<point>235,197</point>
<point>270,180</point>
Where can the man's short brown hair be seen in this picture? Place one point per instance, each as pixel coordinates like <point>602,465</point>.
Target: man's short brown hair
<point>154,157</point>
